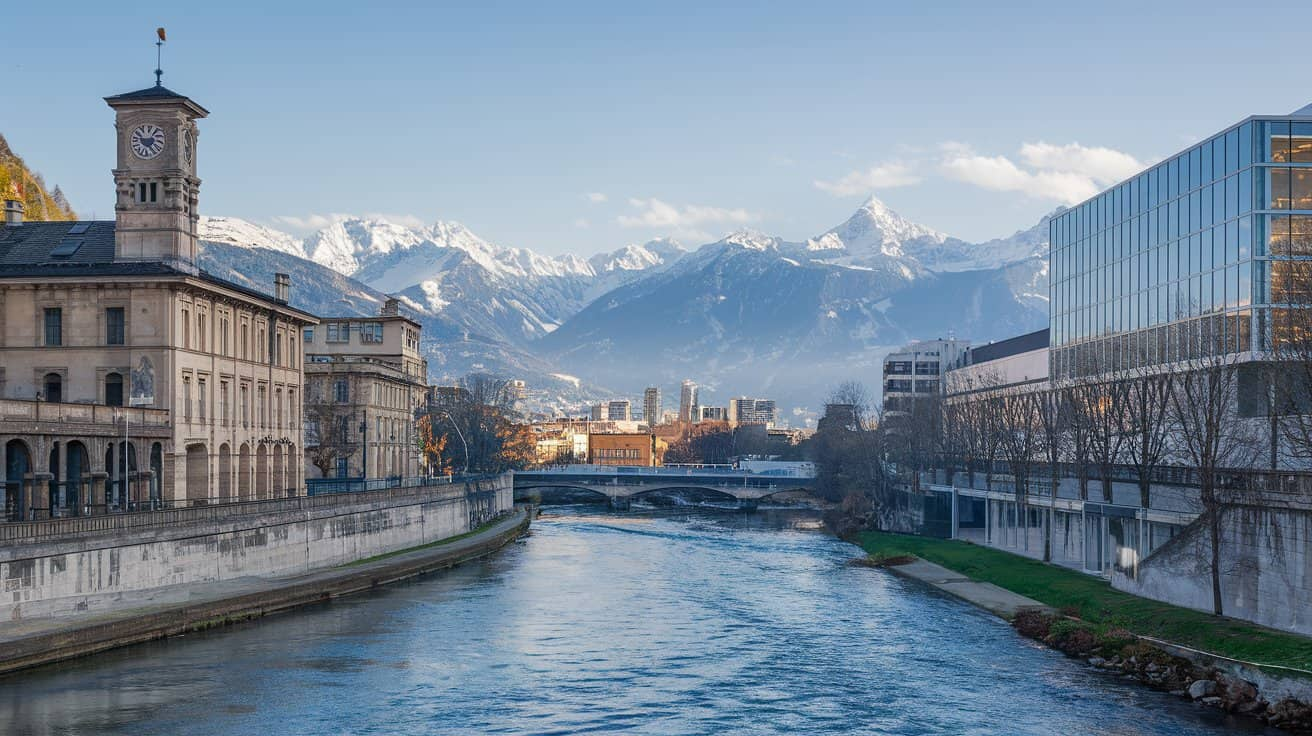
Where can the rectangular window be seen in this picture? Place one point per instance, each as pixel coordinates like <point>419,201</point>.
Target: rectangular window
<point>54,326</point>
<point>200,330</point>
<point>114,317</point>
<point>186,397</point>
<point>308,336</point>
<point>200,398</point>
<point>154,192</point>
<point>223,336</point>
<point>339,332</point>
<point>223,402</point>
<point>245,406</point>
<point>371,332</point>
<point>341,391</point>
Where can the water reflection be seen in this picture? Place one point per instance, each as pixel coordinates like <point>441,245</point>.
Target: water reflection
<point>650,622</point>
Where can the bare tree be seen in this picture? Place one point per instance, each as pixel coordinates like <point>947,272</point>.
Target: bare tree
<point>1203,404</point>
<point>330,433</point>
<point>1149,423</point>
<point>1055,436</point>
<point>1019,432</point>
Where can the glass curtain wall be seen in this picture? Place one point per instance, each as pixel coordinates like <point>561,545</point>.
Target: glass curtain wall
<point>1208,252</point>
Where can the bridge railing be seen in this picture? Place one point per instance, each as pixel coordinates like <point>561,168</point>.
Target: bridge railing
<point>663,471</point>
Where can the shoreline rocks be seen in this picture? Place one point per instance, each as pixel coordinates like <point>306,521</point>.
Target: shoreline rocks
<point>1123,653</point>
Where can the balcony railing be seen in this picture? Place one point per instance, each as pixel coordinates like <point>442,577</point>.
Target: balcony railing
<point>18,410</point>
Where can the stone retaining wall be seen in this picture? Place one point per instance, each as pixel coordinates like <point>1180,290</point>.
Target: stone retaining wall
<point>100,572</point>
<point>1266,568</point>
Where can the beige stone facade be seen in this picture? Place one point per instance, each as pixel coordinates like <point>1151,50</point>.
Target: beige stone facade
<point>105,315</point>
<point>365,379</point>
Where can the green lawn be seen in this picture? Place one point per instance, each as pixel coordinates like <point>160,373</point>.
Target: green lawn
<point>1094,600</point>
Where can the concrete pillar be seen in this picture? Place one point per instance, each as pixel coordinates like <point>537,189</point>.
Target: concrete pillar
<point>96,497</point>
<point>41,493</point>
<point>952,532</point>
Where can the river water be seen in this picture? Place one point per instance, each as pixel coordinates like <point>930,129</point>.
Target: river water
<point>638,623</point>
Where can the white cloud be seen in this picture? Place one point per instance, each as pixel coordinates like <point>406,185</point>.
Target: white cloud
<point>654,213</point>
<point>596,197</point>
<point>1067,173</point>
<point>882,176</point>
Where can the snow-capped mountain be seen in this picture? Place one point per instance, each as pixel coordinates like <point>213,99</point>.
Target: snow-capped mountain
<point>748,313</point>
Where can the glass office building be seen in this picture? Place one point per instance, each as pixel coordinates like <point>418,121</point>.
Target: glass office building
<point>1206,253</point>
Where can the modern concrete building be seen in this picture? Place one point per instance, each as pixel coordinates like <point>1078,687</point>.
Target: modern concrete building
<point>364,380</point>
<point>745,410</point>
<point>713,414</point>
<point>651,406</point>
<point>619,410</point>
<point>118,314</point>
<point>916,371</point>
<point>1016,361</point>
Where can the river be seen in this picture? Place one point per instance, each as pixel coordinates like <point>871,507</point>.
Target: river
<point>637,623</point>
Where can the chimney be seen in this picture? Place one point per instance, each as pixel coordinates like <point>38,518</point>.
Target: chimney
<point>391,308</point>
<point>282,287</point>
<point>13,212</point>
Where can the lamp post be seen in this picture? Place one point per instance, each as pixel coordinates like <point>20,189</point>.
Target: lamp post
<point>461,436</point>
<point>364,448</point>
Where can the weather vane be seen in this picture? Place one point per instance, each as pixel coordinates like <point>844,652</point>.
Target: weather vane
<point>159,55</point>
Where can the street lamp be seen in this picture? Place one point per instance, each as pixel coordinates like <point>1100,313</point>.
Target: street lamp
<point>461,436</point>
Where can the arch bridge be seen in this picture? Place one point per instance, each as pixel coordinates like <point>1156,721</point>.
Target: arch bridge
<point>624,484</point>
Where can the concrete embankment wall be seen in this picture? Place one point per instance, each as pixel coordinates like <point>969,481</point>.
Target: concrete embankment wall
<point>100,572</point>
<point>1266,567</point>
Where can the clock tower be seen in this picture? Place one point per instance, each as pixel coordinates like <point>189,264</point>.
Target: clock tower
<point>155,180</point>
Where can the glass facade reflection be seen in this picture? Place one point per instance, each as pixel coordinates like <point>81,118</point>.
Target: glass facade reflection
<point>1205,253</point>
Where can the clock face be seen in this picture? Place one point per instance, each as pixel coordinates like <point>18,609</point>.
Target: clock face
<point>147,141</point>
<point>186,145</point>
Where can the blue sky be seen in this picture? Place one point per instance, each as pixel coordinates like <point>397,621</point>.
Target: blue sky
<point>579,127</point>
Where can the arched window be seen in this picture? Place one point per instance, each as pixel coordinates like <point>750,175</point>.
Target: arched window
<point>53,385</point>
<point>114,389</point>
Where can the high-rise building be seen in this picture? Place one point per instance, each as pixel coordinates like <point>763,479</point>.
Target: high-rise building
<point>688,401</point>
<point>619,410</point>
<point>746,410</point>
<point>651,406</point>
<point>598,412</point>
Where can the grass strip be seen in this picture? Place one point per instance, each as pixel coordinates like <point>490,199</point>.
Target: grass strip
<point>1095,601</point>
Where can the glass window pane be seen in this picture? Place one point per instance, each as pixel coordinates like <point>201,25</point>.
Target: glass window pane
<point>1245,238</point>
<point>1205,161</point>
<point>1245,145</point>
<point>1277,188</point>
<point>1278,142</point>
<point>1300,235</point>
<point>1246,190</point>
<point>1300,143</point>
<point>1232,151</point>
<point>1231,197</point>
<point>1300,189</point>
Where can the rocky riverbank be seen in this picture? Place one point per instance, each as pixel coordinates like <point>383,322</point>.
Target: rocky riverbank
<point>1223,687</point>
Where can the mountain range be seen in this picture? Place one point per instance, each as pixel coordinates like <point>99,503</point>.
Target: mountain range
<point>748,314</point>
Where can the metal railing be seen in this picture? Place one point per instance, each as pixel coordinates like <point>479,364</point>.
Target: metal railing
<point>28,531</point>
<point>322,486</point>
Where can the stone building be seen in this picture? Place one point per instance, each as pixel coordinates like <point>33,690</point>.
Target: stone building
<point>365,380</point>
<point>107,324</point>
<point>633,449</point>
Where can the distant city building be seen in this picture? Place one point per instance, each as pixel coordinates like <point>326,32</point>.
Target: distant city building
<point>651,405</point>
<point>688,402</point>
<point>713,414</point>
<point>917,370</point>
<point>599,412</point>
<point>745,410</point>
<point>518,390</point>
<point>619,410</point>
<point>638,449</point>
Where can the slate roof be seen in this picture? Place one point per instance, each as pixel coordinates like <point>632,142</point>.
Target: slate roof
<point>1011,346</point>
<point>27,251</point>
<point>157,92</point>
